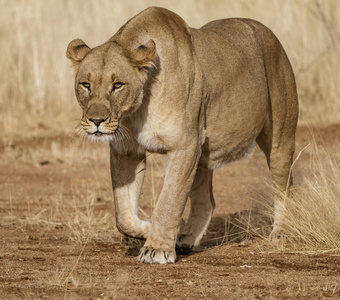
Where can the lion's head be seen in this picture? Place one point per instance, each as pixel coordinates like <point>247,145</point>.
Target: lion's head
<point>109,83</point>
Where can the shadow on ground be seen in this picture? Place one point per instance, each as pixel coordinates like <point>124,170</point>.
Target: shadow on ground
<point>237,228</point>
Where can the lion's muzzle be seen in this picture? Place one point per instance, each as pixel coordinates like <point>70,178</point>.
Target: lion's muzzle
<point>99,127</point>
<point>98,121</point>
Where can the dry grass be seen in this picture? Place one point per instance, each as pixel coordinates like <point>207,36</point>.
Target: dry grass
<point>313,209</point>
<point>81,214</point>
<point>36,82</point>
<point>312,223</point>
<point>81,204</point>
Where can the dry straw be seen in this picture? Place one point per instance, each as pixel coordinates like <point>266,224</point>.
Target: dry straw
<point>312,222</point>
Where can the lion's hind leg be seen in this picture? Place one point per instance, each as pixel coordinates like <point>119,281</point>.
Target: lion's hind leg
<point>280,167</point>
<point>277,138</point>
<point>201,208</point>
<point>279,159</point>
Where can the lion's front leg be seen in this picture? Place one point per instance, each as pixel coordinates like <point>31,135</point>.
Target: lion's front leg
<point>201,208</point>
<point>127,172</point>
<point>160,244</point>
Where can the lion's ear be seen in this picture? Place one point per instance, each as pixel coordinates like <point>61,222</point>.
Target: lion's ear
<point>144,56</point>
<point>76,51</point>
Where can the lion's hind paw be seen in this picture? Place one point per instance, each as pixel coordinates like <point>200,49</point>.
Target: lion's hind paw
<point>150,255</point>
<point>185,244</point>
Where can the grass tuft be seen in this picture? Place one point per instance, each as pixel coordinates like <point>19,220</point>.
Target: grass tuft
<point>312,223</point>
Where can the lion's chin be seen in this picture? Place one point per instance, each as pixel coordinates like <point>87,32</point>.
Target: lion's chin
<point>100,137</point>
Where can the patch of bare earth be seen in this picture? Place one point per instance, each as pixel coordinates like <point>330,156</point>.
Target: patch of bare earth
<point>58,239</point>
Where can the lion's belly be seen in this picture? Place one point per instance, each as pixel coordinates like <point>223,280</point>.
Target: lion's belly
<point>225,153</point>
<point>233,136</point>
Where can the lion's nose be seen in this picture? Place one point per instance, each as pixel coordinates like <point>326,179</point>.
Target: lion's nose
<point>98,121</point>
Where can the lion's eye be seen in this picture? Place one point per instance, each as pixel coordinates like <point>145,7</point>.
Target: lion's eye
<point>86,85</point>
<point>117,86</point>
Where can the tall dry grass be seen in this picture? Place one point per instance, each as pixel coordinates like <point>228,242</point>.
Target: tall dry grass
<point>313,208</point>
<point>36,82</point>
<point>312,215</point>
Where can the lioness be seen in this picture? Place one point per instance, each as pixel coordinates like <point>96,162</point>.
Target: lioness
<point>201,96</point>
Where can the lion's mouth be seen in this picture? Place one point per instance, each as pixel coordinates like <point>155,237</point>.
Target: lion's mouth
<point>99,136</point>
<point>99,133</point>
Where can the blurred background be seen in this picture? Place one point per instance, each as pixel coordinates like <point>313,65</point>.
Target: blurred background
<point>36,80</point>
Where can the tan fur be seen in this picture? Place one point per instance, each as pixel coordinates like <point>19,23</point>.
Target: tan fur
<point>203,97</point>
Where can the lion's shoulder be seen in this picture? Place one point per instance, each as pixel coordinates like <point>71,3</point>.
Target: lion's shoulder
<point>157,23</point>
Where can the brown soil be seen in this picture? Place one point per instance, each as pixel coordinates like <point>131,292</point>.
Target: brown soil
<point>58,239</point>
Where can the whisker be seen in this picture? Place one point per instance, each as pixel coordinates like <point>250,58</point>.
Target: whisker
<point>75,133</point>
<point>79,130</point>
<point>118,140</point>
<point>123,132</point>
<point>79,138</point>
<point>127,137</point>
<point>121,140</point>
<point>128,131</point>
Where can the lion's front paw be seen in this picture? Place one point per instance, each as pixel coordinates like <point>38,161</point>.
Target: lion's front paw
<point>150,255</point>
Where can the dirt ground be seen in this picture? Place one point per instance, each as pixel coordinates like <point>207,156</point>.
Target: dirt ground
<point>58,238</point>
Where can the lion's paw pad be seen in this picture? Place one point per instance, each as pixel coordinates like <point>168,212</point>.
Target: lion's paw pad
<point>150,255</point>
